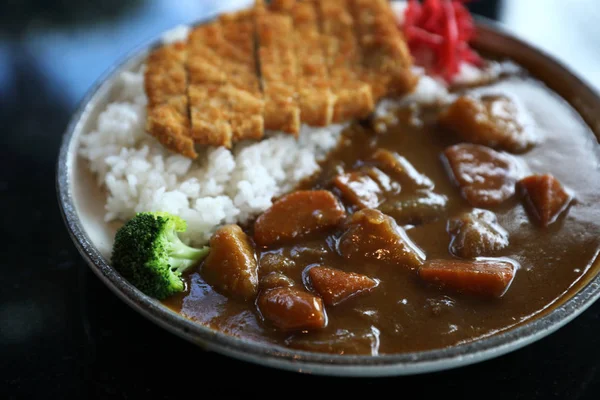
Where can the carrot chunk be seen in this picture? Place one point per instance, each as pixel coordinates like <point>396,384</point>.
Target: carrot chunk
<point>289,309</point>
<point>486,177</point>
<point>334,285</point>
<point>545,197</point>
<point>296,215</point>
<point>483,277</point>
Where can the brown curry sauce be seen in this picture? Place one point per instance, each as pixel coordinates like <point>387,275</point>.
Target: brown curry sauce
<point>402,312</point>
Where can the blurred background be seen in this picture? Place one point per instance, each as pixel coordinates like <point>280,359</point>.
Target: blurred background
<point>62,334</point>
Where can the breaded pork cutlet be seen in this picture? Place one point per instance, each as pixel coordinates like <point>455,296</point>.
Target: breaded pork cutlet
<point>278,68</point>
<point>344,61</point>
<point>274,67</point>
<point>386,57</point>
<point>315,97</point>
<point>225,100</point>
<point>165,83</point>
<point>246,99</point>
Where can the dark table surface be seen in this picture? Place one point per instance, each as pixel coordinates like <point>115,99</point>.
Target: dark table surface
<point>63,334</point>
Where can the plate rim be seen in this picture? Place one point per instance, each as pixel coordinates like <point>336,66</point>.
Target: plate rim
<point>278,356</point>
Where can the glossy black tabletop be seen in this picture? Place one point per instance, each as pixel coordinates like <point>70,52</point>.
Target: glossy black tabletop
<point>63,334</point>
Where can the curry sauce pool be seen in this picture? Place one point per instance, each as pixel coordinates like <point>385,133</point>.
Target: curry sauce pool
<point>402,312</point>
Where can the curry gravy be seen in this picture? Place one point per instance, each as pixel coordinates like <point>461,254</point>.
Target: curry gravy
<point>403,313</point>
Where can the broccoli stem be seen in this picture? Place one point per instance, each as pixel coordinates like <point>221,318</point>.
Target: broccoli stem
<point>182,256</point>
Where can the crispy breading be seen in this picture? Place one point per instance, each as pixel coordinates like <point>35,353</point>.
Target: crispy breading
<point>316,99</point>
<point>225,99</point>
<point>344,61</point>
<point>204,64</point>
<point>284,6</point>
<point>171,128</point>
<point>246,99</point>
<point>165,82</point>
<point>209,112</point>
<point>274,67</point>
<point>278,69</point>
<point>224,114</point>
<point>165,74</point>
<point>386,57</point>
<point>246,117</point>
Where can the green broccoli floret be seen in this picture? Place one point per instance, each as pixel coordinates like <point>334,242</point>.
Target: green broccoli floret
<point>149,253</point>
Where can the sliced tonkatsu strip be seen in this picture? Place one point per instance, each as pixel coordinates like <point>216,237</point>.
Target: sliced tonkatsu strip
<point>225,100</point>
<point>315,97</point>
<point>165,75</point>
<point>278,68</point>
<point>246,99</point>
<point>386,57</point>
<point>344,61</point>
<point>209,109</point>
<point>165,82</point>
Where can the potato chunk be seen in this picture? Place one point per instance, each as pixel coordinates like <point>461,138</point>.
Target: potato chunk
<point>492,121</point>
<point>289,309</point>
<point>545,197</point>
<point>484,277</point>
<point>372,235</point>
<point>335,286</point>
<point>296,215</point>
<point>231,266</point>
<point>476,234</point>
<point>486,177</point>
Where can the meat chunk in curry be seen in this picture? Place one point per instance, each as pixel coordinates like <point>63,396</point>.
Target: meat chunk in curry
<point>335,286</point>
<point>359,189</point>
<point>545,197</point>
<point>290,308</point>
<point>488,278</point>
<point>420,207</point>
<point>372,235</point>
<point>486,177</point>
<point>476,234</point>
<point>231,266</point>
<point>488,120</point>
<point>400,169</point>
<point>274,262</point>
<point>296,215</point>
<point>274,280</point>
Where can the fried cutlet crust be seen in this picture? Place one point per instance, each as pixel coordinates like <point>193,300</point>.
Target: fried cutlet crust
<point>344,61</point>
<point>386,57</point>
<point>225,99</point>
<point>165,81</point>
<point>316,99</point>
<point>278,68</point>
<point>274,67</point>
